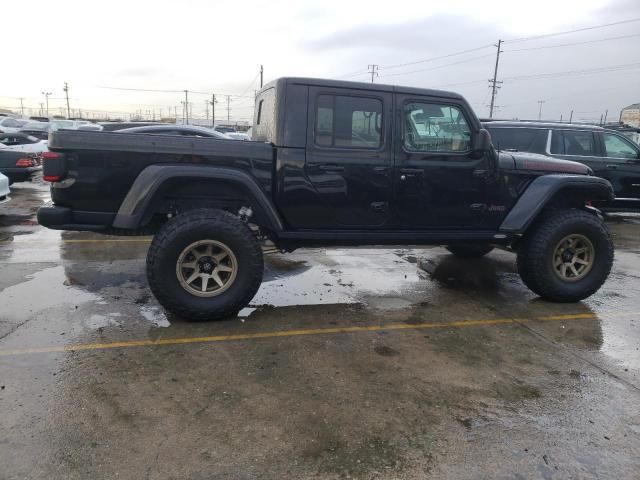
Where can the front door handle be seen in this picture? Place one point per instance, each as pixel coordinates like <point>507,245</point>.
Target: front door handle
<point>612,166</point>
<point>410,172</point>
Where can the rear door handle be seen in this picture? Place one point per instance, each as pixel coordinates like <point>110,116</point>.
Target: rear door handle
<point>612,166</point>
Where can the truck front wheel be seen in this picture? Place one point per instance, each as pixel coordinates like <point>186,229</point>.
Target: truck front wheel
<point>204,265</point>
<point>566,257</point>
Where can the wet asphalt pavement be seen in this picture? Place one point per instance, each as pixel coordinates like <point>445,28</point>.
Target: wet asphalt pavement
<point>350,363</point>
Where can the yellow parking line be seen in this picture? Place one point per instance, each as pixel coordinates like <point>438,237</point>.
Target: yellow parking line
<point>287,333</point>
<point>84,240</point>
<point>106,240</point>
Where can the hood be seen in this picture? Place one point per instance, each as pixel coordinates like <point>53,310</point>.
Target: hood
<point>540,163</point>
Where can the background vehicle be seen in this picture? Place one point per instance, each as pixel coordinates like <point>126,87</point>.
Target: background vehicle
<point>224,129</point>
<point>22,142</point>
<point>112,126</point>
<point>334,163</point>
<point>238,136</point>
<point>58,124</point>
<point>19,166</point>
<point>93,127</point>
<point>183,130</point>
<point>4,189</point>
<point>10,124</point>
<point>37,129</point>
<point>608,153</point>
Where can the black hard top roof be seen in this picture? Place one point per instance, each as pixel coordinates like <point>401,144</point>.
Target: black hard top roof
<point>535,124</point>
<point>375,87</point>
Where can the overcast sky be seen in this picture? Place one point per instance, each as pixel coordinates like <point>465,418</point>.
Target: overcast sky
<point>209,46</point>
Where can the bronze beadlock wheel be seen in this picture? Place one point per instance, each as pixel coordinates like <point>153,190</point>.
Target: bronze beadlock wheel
<point>206,268</point>
<point>573,258</point>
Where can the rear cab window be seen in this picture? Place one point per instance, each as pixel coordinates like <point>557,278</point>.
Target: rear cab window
<point>343,121</point>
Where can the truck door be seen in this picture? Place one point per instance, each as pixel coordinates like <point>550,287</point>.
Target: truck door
<point>348,156</point>
<point>438,182</point>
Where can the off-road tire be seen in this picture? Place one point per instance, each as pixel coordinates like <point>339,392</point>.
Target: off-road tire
<point>182,231</point>
<point>536,252</point>
<point>475,250</point>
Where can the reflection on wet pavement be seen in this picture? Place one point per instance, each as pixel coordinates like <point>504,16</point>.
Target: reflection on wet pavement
<point>420,400</point>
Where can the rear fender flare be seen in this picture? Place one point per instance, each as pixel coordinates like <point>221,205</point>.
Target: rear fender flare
<point>542,191</point>
<point>137,206</point>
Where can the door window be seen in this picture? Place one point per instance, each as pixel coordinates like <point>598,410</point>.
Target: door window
<point>348,122</point>
<point>569,142</point>
<point>431,127</point>
<point>618,148</point>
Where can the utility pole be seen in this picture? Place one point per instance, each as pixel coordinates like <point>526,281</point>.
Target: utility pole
<point>571,116</point>
<point>261,75</point>
<point>495,84</point>
<point>186,106</point>
<point>41,109</point>
<point>66,92</point>
<point>373,70</point>
<point>213,109</point>
<point>540,110</point>
<point>46,98</point>
<point>228,107</point>
<point>606,112</point>
<point>21,106</point>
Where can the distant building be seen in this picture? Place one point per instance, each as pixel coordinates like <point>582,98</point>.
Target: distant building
<point>631,115</point>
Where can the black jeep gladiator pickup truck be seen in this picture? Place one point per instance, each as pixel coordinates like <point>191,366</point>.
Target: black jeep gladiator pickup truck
<point>332,163</point>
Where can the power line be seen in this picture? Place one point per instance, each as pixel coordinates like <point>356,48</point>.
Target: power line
<point>575,43</point>
<point>165,91</point>
<point>439,66</point>
<point>352,74</point>
<point>141,89</point>
<point>462,52</point>
<point>611,68</point>
<point>566,32</point>
<point>252,82</point>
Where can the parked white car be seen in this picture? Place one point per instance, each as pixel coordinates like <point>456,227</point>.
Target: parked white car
<point>21,142</point>
<point>10,124</point>
<point>239,136</point>
<point>4,189</point>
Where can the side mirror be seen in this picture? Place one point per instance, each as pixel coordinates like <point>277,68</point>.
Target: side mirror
<point>481,141</point>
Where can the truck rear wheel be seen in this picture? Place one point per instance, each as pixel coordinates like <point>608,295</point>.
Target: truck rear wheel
<point>204,265</point>
<point>566,257</point>
<point>470,250</point>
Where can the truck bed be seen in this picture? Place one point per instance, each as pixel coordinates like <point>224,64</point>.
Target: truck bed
<point>101,167</point>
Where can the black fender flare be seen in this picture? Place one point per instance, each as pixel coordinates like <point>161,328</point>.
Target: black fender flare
<point>542,190</point>
<point>135,206</point>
